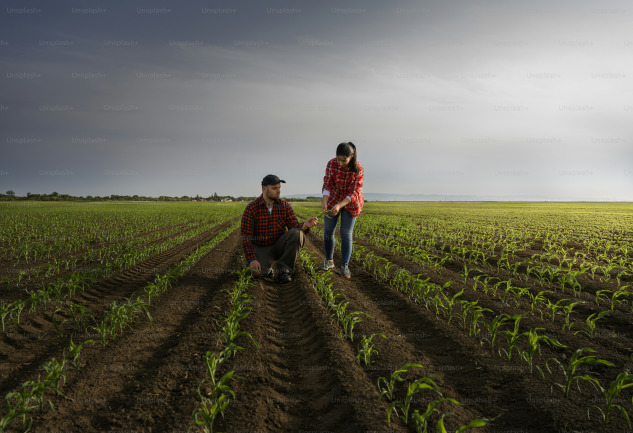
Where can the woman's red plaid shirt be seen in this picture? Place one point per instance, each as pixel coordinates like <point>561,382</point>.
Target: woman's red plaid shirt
<point>341,183</point>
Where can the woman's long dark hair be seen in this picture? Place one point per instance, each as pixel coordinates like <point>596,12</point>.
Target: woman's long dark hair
<point>348,149</point>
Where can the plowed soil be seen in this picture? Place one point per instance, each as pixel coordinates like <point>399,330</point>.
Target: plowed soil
<point>302,377</point>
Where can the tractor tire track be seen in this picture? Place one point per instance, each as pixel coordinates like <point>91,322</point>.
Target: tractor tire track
<point>303,377</point>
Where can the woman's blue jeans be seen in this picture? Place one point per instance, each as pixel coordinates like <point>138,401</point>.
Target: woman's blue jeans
<point>347,227</point>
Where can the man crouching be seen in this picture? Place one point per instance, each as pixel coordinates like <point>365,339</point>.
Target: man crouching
<point>271,231</point>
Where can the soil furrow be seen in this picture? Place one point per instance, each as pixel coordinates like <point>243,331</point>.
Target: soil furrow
<point>146,380</point>
<point>303,377</point>
<point>27,351</point>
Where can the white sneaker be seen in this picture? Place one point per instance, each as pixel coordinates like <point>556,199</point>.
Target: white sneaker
<point>345,273</point>
<point>327,265</point>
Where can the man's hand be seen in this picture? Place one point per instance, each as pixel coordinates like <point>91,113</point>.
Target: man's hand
<point>309,223</point>
<point>256,268</point>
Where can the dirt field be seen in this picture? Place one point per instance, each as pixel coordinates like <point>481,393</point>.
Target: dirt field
<point>303,377</point>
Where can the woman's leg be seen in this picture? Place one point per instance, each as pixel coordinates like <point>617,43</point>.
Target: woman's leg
<point>347,228</point>
<point>329,224</point>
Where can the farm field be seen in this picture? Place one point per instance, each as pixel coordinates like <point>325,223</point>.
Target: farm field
<point>513,317</point>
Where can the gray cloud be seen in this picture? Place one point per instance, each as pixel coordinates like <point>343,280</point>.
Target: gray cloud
<point>449,98</point>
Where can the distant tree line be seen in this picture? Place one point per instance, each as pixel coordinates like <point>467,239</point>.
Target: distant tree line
<point>55,196</point>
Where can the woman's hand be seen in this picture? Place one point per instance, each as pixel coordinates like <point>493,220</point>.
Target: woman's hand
<point>335,209</point>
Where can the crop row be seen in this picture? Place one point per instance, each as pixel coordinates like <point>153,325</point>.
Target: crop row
<point>336,303</point>
<point>422,420</point>
<point>495,243</point>
<point>64,288</point>
<point>26,234</point>
<point>215,392</point>
<point>118,316</point>
<point>472,318</point>
<point>101,255</point>
<point>505,289</point>
<point>401,407</point>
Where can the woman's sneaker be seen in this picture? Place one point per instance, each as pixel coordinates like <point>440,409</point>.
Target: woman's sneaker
<point>327,265</point>
<point>345,272</point>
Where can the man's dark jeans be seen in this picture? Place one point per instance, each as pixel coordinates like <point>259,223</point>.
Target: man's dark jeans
<point>285,251</point>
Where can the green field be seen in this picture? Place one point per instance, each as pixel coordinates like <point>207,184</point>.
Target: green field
<point>521,312</point>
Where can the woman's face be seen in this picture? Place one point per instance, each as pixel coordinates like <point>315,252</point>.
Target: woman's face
<point>343,161</point>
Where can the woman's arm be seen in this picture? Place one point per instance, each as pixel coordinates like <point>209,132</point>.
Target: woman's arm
<point>356,187</point>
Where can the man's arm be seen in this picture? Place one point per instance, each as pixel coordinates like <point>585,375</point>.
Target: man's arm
<point>293,223</point>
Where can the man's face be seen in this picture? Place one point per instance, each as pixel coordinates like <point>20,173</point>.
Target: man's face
<point>272,192</point>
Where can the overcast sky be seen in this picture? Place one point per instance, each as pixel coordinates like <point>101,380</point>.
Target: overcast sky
<point>510,99</point>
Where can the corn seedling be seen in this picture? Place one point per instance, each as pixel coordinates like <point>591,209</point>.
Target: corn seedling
<point>479,422</point>
<point>366,349</point>
<point>621,293</point>
<point>568,310</point>
<point>513,336</point>
<point>450,304</point>
<point>422,420</point>
<point>569,371</point>
<point>534,346</point>
<point>494,327</point>
<point>623,381</point>
<point>603,295</point>
<point>404,405</point>
<point>74,350</point>
<point>590,324</point>
<point>387,389</point>
<point>554,308</point>
<point>539,298</point>
<point>349,321</point>
<point>209,412</point>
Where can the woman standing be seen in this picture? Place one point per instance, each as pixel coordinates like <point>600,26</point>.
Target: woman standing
<point>343,196</point>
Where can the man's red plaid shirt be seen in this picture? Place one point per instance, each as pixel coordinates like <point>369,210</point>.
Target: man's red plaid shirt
<point>341,183</point>
<point>259,227</point>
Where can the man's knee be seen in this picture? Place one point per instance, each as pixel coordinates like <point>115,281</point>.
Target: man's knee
<point>297,235</point>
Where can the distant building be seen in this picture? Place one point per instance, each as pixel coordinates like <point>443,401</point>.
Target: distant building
<point>226,199</point>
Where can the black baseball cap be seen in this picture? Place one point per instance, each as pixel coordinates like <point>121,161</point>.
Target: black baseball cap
<point>271,179</point>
